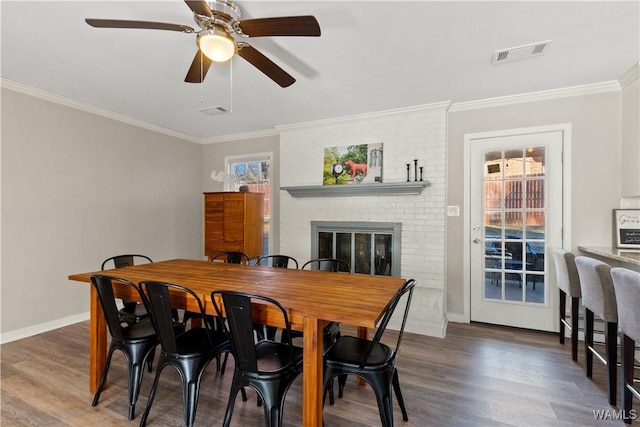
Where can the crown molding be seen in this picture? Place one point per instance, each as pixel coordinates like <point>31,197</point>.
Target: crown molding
<point>630,76</point>
<point>424,107</point>
<point>545,95</point>
<point>68,102</point>
<point>240,136</point>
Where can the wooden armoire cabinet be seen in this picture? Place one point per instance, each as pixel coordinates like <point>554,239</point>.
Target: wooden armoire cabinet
<point>233,221</point>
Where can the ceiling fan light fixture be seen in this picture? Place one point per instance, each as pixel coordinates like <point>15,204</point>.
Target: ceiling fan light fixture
<point>218,46</point>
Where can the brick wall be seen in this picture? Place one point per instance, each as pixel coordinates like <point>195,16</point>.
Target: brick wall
<point>417,133</point>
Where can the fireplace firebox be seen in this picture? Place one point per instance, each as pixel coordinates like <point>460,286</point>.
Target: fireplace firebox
<point>369,247</point>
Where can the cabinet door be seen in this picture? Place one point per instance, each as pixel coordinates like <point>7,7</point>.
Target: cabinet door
<point>234,216</point>
<point>213,223</point>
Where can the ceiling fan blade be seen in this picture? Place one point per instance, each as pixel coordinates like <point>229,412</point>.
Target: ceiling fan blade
<point>264,64</point>
<point>282,26</point>
<point>200,7</point>
<point>198,69</point>
<point>147,25</point>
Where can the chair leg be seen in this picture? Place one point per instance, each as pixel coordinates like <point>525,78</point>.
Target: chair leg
<point>396,388</point>
<point>385,404</point>
<point>152,394</point>
<point>628,349</point>
<point>190,389</point>
<point>611,341</point>
<point>575,308</point>
<point>588,341</point>
<point>563,311</point>
<point>96,397</point>
<point>342,381</point>
<point>152,355</point>
<point>224,363</point>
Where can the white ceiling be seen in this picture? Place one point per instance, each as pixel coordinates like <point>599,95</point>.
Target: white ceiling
<point>372,56</point>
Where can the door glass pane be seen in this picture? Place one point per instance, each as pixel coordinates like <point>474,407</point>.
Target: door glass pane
<point>513,164</point>
<point>492,285</point>
<point>513,225</point>
<point>362,262</point>
<point>493,165</point>
<point>383,250</point>
<point>493,224</point>
<point>535,194</point>
<point>513,195</point>
<point>325,245</point>
<point>343,247</point>
<point>493,195</point>
<point>535,165</point>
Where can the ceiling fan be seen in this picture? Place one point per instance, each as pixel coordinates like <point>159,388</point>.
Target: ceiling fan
<point>220,21</point>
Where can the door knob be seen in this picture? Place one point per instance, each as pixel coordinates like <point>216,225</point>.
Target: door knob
<point>476,240</point>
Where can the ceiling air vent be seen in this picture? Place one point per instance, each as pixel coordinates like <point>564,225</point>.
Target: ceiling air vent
<point>520,52</point>
<point>213,111</point>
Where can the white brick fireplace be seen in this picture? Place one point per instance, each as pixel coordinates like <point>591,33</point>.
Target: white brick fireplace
<point>408,134</point>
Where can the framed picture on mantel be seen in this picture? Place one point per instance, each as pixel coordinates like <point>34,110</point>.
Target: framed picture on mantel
<point>626,228</point>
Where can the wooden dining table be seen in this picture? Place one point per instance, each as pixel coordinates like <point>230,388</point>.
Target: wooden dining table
<point>312,299</point>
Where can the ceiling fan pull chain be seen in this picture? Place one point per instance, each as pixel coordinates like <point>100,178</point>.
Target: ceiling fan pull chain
<point>201,77</point>
<point>231,86</point>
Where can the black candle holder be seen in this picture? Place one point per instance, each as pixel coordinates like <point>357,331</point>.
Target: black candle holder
<point>408,171</point>
<point>420,173</point>
<point>415,169</point>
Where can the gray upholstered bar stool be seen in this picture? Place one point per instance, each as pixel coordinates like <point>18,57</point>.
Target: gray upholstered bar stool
<point>599,299</point>
<point>568,283</point>
<point>627,286</point>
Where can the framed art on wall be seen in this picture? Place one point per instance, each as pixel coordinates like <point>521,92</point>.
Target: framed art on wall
<point>352,164</point>
<point>626,225</point>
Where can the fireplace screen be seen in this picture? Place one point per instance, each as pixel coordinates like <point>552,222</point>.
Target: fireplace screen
<point>370,248</point>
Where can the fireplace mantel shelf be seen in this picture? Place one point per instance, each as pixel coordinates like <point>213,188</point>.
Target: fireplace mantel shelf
<point>384,189</point>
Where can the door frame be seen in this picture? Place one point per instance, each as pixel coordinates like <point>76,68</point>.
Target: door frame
<point>565,128</point>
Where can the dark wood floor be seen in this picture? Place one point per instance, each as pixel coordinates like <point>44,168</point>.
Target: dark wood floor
<point>478,375</point>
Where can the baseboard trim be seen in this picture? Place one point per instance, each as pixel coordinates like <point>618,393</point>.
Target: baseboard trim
<point>42,327</point>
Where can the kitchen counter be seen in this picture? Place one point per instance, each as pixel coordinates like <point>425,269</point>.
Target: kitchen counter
<point>629,256</point>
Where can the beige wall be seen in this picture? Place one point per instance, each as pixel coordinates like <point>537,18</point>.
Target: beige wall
<point>630,133</point>
<point>213,156</point>
<point>76,189</point>
<point>595,163</point>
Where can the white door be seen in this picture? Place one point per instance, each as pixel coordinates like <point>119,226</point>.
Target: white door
<point>516,216</point>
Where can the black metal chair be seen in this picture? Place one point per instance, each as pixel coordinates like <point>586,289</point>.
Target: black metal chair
<point>276,261</point>
<point>626,284</point>
<point>372,360</point>
<point>189,352</point>
<point>599,299</point>
<point>231,257</point>
<point>327,264</point>
<point>132,311</point>
<point>331,332</point>
<point>568,283</point>
<point>280,261</point>
<point>269,367</point>
<point>136,341</point>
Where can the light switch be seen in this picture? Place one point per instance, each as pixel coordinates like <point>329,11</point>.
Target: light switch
<point>453,210</point>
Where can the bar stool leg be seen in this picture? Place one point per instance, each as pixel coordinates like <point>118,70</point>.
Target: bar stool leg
<point>628,349</point>
<point>611,341</point>
<point>575,308</point>
<point>588,341</point>
<point>563,313</point>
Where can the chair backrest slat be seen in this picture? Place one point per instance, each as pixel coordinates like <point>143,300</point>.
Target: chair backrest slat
<point>407,287</point>
<point>104,287</point>
<point>238,310</point>
<point>278,261</point>
<point>232,257</point>
<point>328,264</point>
<point>157,298</point>
<point>126,260</point>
